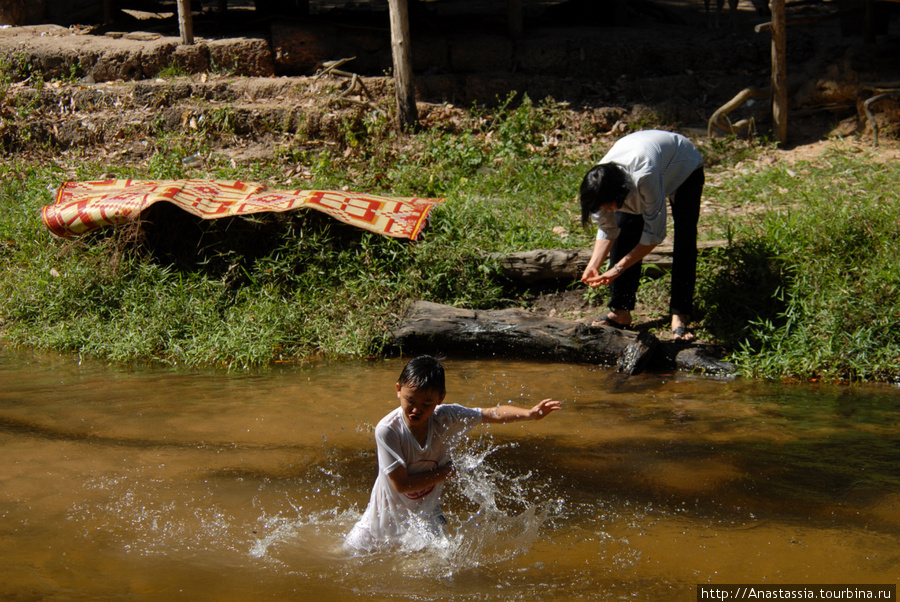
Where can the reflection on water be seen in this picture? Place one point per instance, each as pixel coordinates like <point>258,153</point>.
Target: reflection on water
<point>154,484</point>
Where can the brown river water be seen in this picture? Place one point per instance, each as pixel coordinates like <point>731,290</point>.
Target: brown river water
<point>163,484</point>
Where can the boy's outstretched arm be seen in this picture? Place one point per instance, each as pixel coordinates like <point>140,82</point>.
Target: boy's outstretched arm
<point>509,413</point>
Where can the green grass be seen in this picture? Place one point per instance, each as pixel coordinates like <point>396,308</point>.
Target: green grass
<point>808,288</point>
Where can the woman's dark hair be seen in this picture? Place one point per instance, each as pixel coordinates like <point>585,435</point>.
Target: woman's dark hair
<point>604,183</point>
<point>423,372</point>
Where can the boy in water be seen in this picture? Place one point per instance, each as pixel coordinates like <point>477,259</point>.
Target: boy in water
<point>414,443</point>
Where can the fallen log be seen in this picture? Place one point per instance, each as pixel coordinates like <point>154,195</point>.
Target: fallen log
<point>547,265</point>
<point>435,328</point>
<point>637,355</point>
<point>506,332</point>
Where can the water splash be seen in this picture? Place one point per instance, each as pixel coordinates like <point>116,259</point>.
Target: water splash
<point>315,533</point>
<point>509,511</point>
<point>511,508</point>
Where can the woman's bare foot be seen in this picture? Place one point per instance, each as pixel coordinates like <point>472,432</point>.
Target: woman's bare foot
<point>617,318</point>
<point>680,330</point>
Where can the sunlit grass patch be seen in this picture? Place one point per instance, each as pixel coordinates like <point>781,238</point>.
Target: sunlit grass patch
<point>810,288</point>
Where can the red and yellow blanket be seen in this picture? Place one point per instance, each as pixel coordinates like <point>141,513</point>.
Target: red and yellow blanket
<point>84,206</point>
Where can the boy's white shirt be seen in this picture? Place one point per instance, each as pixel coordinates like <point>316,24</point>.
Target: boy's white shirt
<point>389,513</point>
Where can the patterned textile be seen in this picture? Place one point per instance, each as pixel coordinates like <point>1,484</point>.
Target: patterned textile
<point>84,206</point>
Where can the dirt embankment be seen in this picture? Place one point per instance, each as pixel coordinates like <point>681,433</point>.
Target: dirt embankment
<point>662,62</point>
<point>112,92</point>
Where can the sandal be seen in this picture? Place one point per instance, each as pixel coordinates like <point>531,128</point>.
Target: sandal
<point>680,333</point>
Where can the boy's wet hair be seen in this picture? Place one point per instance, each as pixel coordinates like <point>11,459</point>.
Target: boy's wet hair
<point>423,372</point>
<point>604,183</point>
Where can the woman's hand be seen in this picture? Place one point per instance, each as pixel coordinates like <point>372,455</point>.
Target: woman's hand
<point>608,276</point>
<point>594,279</point>
<point>591,277</point>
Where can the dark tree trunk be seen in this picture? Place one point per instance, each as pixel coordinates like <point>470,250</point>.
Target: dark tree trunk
<point>441,329</point>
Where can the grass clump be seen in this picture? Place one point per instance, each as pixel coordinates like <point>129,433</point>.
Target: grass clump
<point>810,287</point>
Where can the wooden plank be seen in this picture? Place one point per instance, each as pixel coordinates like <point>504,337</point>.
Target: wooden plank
<point>809,20</point>
<point>402,56</point>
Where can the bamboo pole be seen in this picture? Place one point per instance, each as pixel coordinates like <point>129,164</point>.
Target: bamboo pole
<point>400,49</point>
<point>779,70</point>
<point>185,22</point>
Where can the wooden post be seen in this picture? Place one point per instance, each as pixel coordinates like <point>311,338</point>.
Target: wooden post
<point>400,49</point>
<point>779,70</point>
<point>516,19</point>
<point>185,22</point>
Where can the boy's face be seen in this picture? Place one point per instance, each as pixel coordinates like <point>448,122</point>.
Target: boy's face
<point>417,404</point>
